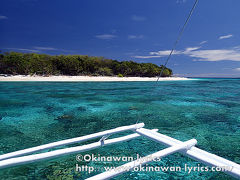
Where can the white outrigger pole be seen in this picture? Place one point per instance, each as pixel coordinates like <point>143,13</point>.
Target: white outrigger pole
<point>186,148</point>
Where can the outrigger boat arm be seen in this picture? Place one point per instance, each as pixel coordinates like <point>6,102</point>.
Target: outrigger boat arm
<point>186,148</point>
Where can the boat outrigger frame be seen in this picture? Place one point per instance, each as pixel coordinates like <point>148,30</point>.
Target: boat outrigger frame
<point>186,148</point>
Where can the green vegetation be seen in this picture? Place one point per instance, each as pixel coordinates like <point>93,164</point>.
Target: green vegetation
<point>42,64</point>
<point>120,75</point>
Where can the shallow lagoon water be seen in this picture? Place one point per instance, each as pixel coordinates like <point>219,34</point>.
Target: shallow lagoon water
<point>35,113</point>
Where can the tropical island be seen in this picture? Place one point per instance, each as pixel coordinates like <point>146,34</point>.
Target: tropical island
<point>16,66</point>
<point>16,63</point>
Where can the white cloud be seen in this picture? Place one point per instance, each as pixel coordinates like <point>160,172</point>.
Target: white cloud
<point>162,53</point>
<point>105,36</point>
<point>237,69</point>
<point>146,57</point>
<point>181,1</point>
<point>225,37</point>
<point>138,18</point>
<point>216,55</point>
<point>24,50</point>
<point>135,36</point>
<point>3,17</point>
<point>203,42</point>
<point>46,48</point>
<point>232,54</point>
<point>190,49</point>
<point>37,49</point>
<point>52,49</point>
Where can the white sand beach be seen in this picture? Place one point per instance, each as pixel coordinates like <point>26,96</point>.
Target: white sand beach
<point>84,78</point>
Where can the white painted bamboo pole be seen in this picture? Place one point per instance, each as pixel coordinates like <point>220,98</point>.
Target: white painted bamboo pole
<point>142,161</point>
<point>36,157</point>
<point>70,141</point>
<point>205,157</point>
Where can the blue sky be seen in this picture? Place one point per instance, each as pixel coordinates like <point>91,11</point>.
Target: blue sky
<point>139,30</point>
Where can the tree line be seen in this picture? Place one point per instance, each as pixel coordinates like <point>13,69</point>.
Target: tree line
<point>42,64</point>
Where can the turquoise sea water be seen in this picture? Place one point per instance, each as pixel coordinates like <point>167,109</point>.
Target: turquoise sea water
<point>35,113</point>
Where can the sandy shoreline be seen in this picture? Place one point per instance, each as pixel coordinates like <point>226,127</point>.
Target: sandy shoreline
<point>85,78</point>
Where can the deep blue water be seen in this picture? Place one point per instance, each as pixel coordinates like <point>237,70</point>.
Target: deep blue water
<point>34,113</point>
